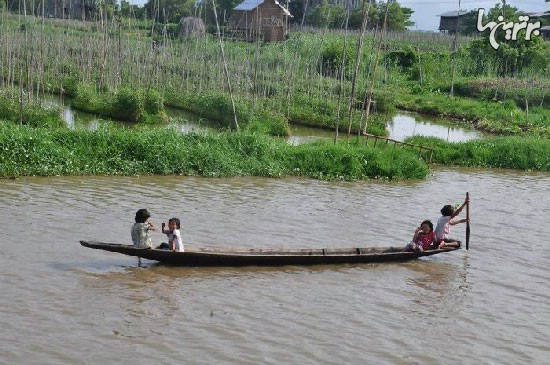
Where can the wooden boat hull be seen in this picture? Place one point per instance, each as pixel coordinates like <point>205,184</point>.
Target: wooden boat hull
<point>266,257</point>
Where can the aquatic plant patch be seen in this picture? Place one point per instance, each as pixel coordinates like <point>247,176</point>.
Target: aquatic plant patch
<point>115,151</point>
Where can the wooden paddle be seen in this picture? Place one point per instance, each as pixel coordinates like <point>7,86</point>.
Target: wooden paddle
<point>467,220</point>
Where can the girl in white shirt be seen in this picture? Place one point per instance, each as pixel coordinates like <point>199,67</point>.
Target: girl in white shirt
<point>174,236</point>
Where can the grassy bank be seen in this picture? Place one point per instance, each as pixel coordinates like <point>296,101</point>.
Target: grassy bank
<point>114,151</point>
<point>112,71</point>
<point>498,117</point>
<point>522,153</point>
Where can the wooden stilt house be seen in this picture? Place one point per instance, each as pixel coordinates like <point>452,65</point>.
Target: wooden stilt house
<point>267,19</point>
<point>452,21</point>
<point>544,18</point>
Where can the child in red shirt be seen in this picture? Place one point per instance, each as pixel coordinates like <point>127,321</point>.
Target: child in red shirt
<point>424,238</point>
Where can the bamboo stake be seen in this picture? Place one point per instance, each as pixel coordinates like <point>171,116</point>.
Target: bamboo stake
<point>373,75</point>
<point>454,50</point>
<point>256,56</point>
<point>226,71</point>
<point>341,83</point>
<point>467,221</point>
<point>364,20</point>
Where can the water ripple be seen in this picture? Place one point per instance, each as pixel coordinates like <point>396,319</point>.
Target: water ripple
<point>62,303</point>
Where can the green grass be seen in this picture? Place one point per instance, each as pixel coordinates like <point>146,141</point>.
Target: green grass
<point>522,153</point>
<point>290,80</point>
<point>115,151</point>
<point>498,117</point>
<point>114,72</point>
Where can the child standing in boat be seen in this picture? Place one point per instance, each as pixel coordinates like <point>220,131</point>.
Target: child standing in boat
<point>141,228</point>
<point>444,223</point>
<point>174,236</point>
<point>424,238</point>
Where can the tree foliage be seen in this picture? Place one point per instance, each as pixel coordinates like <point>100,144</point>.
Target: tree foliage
<point>128,10</point>
<point>224,10</point>
<point>327,15</point>
<point>169,11</point>
<point>513,56</point>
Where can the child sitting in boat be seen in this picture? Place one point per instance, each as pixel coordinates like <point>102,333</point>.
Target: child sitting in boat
<point>174,236</point>
<point>424,238</point>
<point>141,228</point>
<point>444,223</point>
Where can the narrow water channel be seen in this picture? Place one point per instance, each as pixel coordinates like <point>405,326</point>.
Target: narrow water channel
<point>400,126</point>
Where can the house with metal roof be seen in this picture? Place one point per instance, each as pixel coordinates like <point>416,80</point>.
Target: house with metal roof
<point>451,21</point>
<point>544,18</point>
<point>64,9</point>
<point>267,19</point>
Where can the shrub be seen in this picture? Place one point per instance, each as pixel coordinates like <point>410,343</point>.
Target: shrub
<point>269,122</point>
<point>154,103</point>
<point>32,115</point>
<point>404,58</point>
<point>87,99</point>
<point>332,56</point>
<point>128,105</point>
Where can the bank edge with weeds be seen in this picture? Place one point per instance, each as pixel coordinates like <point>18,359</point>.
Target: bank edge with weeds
<point>522,153</point>
<point>28,151</point>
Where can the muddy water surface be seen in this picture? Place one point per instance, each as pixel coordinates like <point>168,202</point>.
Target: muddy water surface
<point>65,304</point>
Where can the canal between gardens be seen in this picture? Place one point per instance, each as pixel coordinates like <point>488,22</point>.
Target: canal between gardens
<point>399,126</point>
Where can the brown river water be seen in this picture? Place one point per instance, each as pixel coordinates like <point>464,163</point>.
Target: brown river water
<point>65,304</point>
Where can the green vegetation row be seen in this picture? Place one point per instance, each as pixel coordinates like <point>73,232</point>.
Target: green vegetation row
<point>115,151</point>
<point>497,117</point>
<point>523,153</point>
<point>110,70</point>
<point>148,106</point>
<point>306,79</point>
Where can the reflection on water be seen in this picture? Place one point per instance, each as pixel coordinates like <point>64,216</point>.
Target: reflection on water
<point>399,127</point>
<point>180,120</point>
<point>408,125</point>
<point>302,134</point>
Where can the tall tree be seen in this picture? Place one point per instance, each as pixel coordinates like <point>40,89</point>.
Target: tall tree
<point>398,18</point>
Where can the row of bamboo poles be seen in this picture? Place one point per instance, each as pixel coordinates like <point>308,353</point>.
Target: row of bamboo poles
<point>108,53</point>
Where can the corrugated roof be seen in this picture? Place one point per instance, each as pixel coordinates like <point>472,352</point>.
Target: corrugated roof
<point>454,13</point>
<point>248,5</point>
<point>539,14</point>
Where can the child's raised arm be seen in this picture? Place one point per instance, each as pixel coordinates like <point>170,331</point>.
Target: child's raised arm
<point>457,212</point>
<point>416,232</point>
<point>152,227</point>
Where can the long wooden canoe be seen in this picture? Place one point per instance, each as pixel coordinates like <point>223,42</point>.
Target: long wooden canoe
<point>265,257</point>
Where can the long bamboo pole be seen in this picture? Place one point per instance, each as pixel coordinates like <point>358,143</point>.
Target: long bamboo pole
<point>226,71</point>
<point>454,50</point>
<point>373,74</point>
<point>341,81</point>
<point>364,20</point>
<point>467,220</point>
